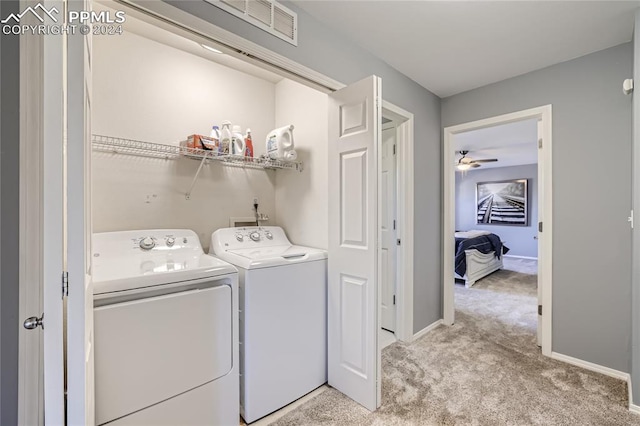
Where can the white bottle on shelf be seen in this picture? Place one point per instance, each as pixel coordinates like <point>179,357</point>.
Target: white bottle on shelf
<point>279,142</point>
<point>237,141</point>
<point>225,138</point>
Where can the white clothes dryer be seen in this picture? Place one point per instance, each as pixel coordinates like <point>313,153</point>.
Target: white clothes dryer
<point>283,316</point>
<point>165,331</point>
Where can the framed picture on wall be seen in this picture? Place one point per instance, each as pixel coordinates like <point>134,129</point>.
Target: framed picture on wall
<point>502,202</point>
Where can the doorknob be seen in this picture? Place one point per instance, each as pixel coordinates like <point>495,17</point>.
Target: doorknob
<point>33,322</point>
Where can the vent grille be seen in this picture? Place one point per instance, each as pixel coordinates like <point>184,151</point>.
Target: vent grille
<point>268,15</point>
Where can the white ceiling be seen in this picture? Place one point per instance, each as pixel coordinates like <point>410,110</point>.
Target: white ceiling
<point>512,144</point>
<point>454,46</point>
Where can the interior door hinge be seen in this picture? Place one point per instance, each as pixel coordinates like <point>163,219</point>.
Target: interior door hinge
<point>65,284</point>
<point>394,299</point>
<point>398,242</point>
<point>394,149</point>
<point>630,219</point>
<point>394,224</point>
<point>539,309</point>
<point>539,226</point>
<point>540,143</point>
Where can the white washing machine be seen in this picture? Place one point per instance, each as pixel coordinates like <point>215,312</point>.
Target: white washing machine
<point>165,331</point>
<point>283,316</point>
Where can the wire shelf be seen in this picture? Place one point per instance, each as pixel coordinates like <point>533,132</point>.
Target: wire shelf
<point>156,150</point>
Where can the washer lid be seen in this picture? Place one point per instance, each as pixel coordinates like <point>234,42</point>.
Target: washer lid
<point>120,262</point>
<point>265,257</point>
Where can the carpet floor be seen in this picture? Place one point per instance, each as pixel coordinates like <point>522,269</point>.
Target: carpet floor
<point>484,370</point>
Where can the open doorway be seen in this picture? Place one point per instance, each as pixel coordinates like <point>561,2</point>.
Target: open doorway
<point>513,209</point>
<point>496,220</point>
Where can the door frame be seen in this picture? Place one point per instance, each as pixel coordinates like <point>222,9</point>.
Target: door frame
<point>545,212</point>
<point>403,121</point>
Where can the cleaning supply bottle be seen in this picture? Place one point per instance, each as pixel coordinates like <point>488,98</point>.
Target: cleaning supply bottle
<point>213,143</point>
<point>237,141</point>
<point>279,142</point>
<point>225,138</point>
<point>248,150</point>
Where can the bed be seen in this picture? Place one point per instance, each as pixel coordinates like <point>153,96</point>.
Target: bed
<point>477,254</point>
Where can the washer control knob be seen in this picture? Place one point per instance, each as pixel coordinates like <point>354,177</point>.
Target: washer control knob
<point>269,235</point>
<point>255,236</point>
<point>147,243</point>
<point>239,237</point>
<point>171,241</point>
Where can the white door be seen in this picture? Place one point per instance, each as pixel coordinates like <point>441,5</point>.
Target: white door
<point>80,390</point>
<point>388,245</point>
<point>52,222</point>
<point>540,236</point>
<point>353,291</point>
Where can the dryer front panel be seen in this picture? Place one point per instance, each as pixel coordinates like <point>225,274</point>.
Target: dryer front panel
<point>149,350</point>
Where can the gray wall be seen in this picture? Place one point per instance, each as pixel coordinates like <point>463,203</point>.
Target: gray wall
<point>591,193</point>
<point>635,364</point>
<point>325,51</point>
<point>9,219</point>
<point>519,239</point>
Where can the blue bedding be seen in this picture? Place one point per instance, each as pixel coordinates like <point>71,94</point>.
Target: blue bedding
<point>483,243</point>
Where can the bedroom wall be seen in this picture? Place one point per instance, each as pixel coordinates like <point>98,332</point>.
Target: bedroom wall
<point>519,239</point>
<point>320,48</point>
<point>591,193</point>
<point>163,98</point>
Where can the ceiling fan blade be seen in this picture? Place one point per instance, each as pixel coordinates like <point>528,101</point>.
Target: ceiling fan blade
<point>486,160</point>
<point>476,165</point>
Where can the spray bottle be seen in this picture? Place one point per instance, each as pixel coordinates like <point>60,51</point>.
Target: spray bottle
<point>248,150</point>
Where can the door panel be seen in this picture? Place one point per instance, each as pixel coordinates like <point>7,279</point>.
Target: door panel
<point>388,245</point>
<point>354,132</point>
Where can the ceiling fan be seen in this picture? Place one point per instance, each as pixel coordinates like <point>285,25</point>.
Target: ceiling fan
<point>465,163</point>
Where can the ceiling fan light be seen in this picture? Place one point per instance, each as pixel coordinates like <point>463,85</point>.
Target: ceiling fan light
<point>463,166</point>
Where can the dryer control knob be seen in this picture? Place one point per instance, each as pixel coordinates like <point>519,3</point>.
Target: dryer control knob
<point>239,237</point>
<point>269,235</point>
<point>147,243</point>
<point>171,241</point>
<point>255,236</point>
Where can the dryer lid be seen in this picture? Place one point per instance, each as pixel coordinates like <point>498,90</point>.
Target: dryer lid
<point>265,257</point>
<point>119,262</point>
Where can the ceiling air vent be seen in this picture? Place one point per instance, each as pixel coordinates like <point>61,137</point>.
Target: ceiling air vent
<point>268,15</point>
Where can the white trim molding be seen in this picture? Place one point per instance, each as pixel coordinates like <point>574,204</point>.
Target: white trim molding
<point>543,114</point>
<point>616,374</point>
<point>635,409</point>
<point>405,185</point>
<point>427,329</point>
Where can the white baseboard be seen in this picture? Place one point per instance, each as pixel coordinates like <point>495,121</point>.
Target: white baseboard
<point>635,409</point>
<point>427,329</point>
<point>621,375</point>
<point>520,257</point>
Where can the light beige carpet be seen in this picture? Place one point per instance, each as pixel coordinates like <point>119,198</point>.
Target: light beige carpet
<point>484,370</point>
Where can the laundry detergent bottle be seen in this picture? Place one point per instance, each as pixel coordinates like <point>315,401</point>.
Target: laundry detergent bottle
<point>279,142</point>
<point>225,138</point>
<point>237,141</point>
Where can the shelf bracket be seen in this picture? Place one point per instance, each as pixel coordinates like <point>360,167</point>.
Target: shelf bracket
<point>195,178</point>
